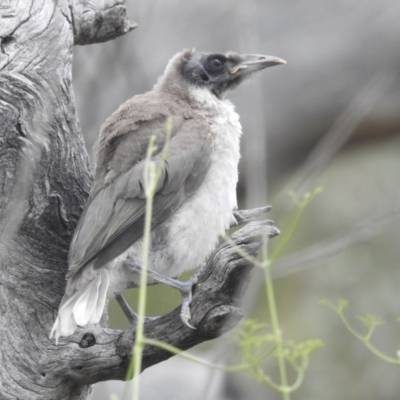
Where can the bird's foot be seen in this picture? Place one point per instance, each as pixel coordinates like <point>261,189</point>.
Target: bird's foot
<point>130,315</point>
<point>244,216</point>
<point>185,288</point>
<point>187,299</point>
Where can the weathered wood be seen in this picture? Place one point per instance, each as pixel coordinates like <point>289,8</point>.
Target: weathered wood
<point>44,182</point>
<point>44,178</point>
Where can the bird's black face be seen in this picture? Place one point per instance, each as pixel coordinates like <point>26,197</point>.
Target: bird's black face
<point>222,72</point>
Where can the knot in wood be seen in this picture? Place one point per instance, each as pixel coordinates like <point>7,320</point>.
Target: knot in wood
<point>88,340</point>
<point>219,320</point>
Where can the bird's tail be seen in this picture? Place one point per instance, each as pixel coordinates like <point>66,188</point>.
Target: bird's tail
<point>84,306</point>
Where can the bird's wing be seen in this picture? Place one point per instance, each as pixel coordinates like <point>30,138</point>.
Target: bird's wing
<point>113,218</point>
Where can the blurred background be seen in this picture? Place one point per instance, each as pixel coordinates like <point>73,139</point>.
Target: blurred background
<point>330,118</point>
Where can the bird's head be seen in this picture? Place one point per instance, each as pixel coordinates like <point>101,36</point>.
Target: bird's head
<point>222,72</point>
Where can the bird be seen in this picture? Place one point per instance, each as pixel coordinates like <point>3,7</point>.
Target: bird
<point>186,113</point>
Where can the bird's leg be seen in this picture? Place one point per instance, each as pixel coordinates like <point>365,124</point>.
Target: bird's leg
<point>185,288</point>
<point>130,315</point>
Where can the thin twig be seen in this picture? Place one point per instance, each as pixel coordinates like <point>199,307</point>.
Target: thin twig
<point>310,256</point>
<point>336,136</point>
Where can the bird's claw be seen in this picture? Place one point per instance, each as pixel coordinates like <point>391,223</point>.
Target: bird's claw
<point>244,216</point>
<point>185,310</point>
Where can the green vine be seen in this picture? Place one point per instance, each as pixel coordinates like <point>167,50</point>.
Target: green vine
<point>369,322</point>
<point>152,173</point>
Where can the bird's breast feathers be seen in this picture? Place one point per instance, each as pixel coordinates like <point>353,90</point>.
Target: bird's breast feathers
<point>197,224</point>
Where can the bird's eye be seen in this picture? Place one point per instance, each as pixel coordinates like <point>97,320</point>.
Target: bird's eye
<point>216,63</point>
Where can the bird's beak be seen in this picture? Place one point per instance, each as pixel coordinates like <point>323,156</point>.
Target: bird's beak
<point>254,62</point>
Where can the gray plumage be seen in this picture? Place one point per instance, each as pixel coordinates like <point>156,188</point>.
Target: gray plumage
<point>195,196</point>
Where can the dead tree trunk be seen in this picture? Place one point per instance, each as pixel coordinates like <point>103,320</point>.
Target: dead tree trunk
<point>44,182</point>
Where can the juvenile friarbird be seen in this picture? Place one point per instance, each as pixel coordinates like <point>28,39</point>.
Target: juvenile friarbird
<point>196,193</point>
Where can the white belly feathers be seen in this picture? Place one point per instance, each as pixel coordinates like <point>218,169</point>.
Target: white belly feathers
<point>197,225</point>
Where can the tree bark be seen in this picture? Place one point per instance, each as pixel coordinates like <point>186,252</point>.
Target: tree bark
<point>44,182</point>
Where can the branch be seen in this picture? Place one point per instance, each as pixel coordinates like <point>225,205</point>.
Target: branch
<point>95,354</point>
<point>99,21</point>
<point>336,136</point>
<point>314,254</point>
